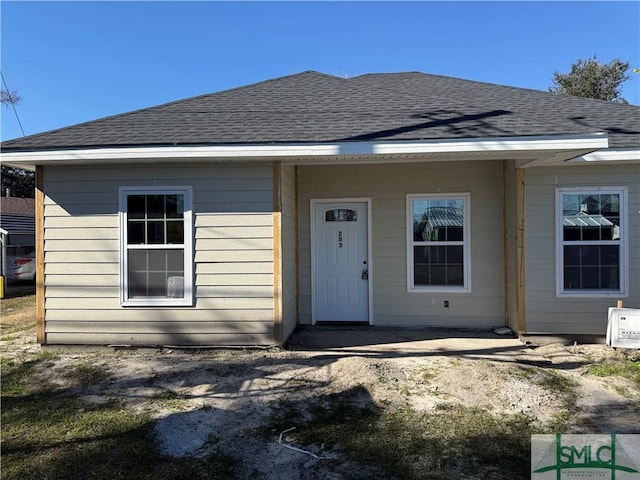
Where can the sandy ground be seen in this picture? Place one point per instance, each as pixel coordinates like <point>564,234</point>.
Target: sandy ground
<point>216,400</point>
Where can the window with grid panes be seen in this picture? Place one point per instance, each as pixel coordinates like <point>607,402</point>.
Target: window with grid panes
<point>591,226</point>
<point>156,246</point>
<point>438,243</point>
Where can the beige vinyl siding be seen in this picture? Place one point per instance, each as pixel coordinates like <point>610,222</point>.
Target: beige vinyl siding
<point>288,237</point>
<point>387,186</point>
<point>546,312</point>
<point>233,253</point>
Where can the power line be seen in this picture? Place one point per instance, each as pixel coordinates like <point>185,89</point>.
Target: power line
<point>12,104</point>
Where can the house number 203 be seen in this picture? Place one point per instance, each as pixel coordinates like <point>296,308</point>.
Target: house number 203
<point>339,239</point>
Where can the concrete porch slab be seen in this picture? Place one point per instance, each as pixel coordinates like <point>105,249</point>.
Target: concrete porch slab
<point>390,343</point>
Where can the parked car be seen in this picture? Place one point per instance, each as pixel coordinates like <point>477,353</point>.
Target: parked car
<point>22,268</point>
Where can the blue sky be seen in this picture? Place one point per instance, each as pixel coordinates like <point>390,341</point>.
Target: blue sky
<point>77,61</point>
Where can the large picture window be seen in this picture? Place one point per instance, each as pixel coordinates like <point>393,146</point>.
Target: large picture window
<point>591,230</point>
<point>156,258</point>
<point>438,243</point>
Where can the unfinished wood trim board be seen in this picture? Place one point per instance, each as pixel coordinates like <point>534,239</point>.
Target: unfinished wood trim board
<point>520,250</point>
<point>39,220</point>
<point>277,254</point>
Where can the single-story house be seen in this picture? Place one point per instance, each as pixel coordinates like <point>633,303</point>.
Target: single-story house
<point>233,217</point>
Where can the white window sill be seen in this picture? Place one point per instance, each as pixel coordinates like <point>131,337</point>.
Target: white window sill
<point>592,294</point>
<point>158,303</point>
<point>437,290</point>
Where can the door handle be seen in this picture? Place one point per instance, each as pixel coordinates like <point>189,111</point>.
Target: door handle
<point>365,274</point>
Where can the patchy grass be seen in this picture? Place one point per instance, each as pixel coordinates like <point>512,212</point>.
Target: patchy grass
<point>17,314</point>
<point>6,363</point>
<point>427,374</point>
<point>628,368</point>
<point>553,382</point>
<point>563,387</point>
<point>85,374</point>
<point>16,374</point>
<point>453,442</point>
<point>49,433</point>
<point>170,400</point>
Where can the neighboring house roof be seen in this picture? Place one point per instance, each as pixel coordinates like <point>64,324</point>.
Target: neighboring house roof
<point>585,220</point>
<point>17,206</point>
<point>444,217</point>
<point>17,215</point>
<point>314,107</point>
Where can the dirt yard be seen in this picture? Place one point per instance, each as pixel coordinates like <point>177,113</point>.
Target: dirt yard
<point>225,400</point>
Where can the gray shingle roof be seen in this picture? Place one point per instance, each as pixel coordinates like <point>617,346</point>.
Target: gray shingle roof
<point>17,206</point>
<point>314,107</point>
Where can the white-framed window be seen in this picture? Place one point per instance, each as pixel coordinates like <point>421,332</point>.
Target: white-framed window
<point>156,246</point>
<point>591,232</point>
<point>438,243</point>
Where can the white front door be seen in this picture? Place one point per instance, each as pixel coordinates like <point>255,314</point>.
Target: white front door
<point>341,270</point>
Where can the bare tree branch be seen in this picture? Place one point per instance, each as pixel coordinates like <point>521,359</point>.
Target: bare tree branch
<point>9,97</point>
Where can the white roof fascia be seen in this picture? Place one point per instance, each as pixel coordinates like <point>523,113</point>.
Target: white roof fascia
<point>590,142</point>
<point>610,155</point>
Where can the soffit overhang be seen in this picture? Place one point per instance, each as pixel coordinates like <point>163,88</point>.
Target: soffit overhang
<point>526,151</point>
